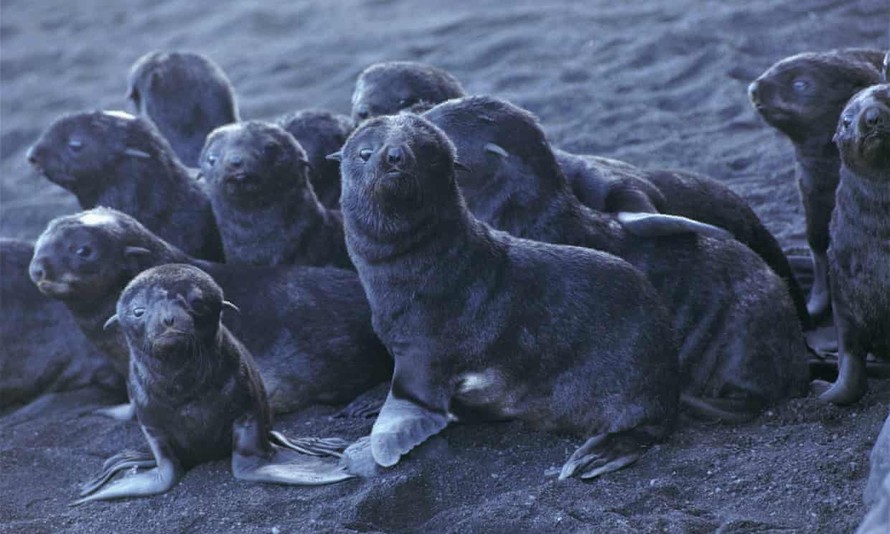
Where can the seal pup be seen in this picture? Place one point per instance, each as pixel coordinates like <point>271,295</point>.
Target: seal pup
<point>482,324</point>
<point>197,392</point>
<point>802,97</point>
<point>41,348</point>
<point>613,186</point>
<point>116,160</point>
<point>186,95</point>
<point>877,491</point>
<point>391,86</point>
<point>741,345</point>
<point>308,328</point>
<point>859,255</point>
<point>257,177</point>
<point>320,133</point>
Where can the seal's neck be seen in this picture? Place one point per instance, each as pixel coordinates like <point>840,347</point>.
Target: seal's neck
<point>818,162</point>
<point>870,195</point>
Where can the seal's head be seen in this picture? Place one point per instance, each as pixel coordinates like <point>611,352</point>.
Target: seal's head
<point>389,87</point>
<point>802,96</point>
<point>397,170</point>
<point>863,133</point>
<point>170,313</point>
<point>83,152</point>
<point>88,255</point>
<point>253,163</point>
<point>319,133</point>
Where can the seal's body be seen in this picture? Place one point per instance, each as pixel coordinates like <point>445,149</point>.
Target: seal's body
<point>266,209</point>
<point>859,255</point>
<point>802,97</point>
<point>741,346</point>
<point>320,133</point>
<point>186,95</point>
<point>481,323</point>
<point>196,391</point>
<point>115,160</point>
<point>309,328</point>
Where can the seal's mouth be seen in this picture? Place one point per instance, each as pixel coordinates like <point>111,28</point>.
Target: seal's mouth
<point>241,183</point>
<point>55,289</point>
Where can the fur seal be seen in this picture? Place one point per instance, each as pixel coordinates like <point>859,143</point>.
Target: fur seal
<point>612,186</point>
<point>391,86</point>
<point>802,97</point>
<point>320,133</point>
<point>482,324</point>
<point>116,160</point>
<point>741,345</point>
<point>877,491</point>
<point>43,351</point>
<point>197,392</point>
<point>258,180</point>
<point>859,255</point>
<point>186,95</point>
<point>308,328</point>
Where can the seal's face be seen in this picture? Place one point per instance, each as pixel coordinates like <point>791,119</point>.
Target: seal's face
<point>253,163</point>
<point>863,133</point>
<point>77,151</point>
<point>400,165</point>
<point>801,96</point>
<point>387,88</point>
<point>76,258</point>
<point>170,312</point>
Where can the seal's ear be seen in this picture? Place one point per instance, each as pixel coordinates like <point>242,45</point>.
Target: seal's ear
<point>136,153</point>
<point>137,258</point>
<point>496,150</point>
<point>460,166</point>
<point>336,156</point>
<point>111,321</point>
<point>229,306</point>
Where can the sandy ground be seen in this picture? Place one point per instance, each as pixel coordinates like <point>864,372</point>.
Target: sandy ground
<point>658,84</point>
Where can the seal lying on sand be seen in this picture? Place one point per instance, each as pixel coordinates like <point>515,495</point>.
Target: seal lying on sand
<point>391,86</point>
<point>119,161</point>
<point>41,348</point>
<point>741,346</point>
<point>309,328</point>
<point>267,212</point>
<point>859,255</point>
<point>802,97</point>
<point>482,324</point>
<point>197,392</point>
<point>186,95</point>
<point>320,133</point>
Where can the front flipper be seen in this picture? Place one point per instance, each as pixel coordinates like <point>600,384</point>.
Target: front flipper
<point>659,224</point>
<point>605,453</point>
<point>257,459</point>
<point>119,462</point>
<point>121,412</point>
<point>401,426</point>
<point>152,482</point>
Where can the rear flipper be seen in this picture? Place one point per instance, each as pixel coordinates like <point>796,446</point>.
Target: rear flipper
<point>152,482</point>
<point>366,405</point>
<point>401,426</point>
<point>259,456</point>
<point>119,462</point>
<point>723,410</point>
<point>658,225</point>
<point>605,453</point>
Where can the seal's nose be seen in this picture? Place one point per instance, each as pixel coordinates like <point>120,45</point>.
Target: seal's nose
<point>168,319</point>
<point>32,155</point>
<point>37,270</point>
<point>754,91</point>
<point>362,113</point>
<point>235,161</point>
<point>395,155</point>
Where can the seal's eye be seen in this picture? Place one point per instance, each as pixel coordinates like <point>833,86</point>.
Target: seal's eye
<point>84,251</point>
<point>75,144</point>
<point>138,312</point>
<point>270,150</point>
<point>211,160</point>
<point>198,306</point>
<point>846,121</point>
<point>800,85</point>
<point>365,154</point>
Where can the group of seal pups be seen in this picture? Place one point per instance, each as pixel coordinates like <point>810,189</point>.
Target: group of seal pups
<point>434,238</point>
